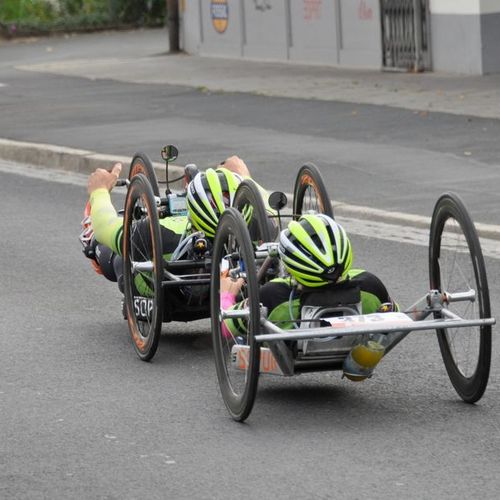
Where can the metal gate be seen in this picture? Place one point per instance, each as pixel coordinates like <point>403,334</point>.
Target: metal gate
<point>405,34</point>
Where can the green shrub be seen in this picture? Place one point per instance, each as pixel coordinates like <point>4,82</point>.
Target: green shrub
<point>44,16</point>
<point>16,10</point>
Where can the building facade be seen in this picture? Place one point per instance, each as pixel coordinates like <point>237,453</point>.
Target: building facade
<point>461,36</point>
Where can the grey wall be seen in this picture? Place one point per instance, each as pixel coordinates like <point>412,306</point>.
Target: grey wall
<point>334,32</point>
<point>360,33</point>
<point>190,26</point>
<point>314,32</point>
<point>456,43</point>
<point>490,35</point>
<point>345,32</point>
<point>265,29</point>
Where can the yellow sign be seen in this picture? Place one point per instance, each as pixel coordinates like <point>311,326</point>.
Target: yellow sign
<point>219,11</point>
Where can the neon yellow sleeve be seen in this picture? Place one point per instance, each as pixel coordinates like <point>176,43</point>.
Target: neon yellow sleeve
<point>107,225</point>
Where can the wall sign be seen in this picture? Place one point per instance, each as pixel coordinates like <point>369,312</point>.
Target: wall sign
<point>219,11</point>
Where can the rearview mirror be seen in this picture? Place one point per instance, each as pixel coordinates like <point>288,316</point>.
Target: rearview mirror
<point>277,200</point>
<point>169,153</point>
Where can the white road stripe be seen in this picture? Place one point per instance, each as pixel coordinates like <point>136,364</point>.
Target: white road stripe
<point>362,227</point>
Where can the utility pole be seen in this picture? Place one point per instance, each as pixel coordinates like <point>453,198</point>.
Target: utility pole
<point>173,25</point>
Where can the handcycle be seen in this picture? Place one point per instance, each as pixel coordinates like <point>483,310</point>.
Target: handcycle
<point>157,290</point>
<point>457,306</point>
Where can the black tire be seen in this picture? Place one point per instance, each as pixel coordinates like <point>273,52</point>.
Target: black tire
<point>141,164</point>
<point>233,246</point>
<point>248,201</point>
<point>143,290</point>
<point>310,192</point>
<point>466,352</point>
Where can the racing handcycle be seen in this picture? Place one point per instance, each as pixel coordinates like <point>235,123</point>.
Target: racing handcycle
<point>157,290</point>
<point>456,306</point>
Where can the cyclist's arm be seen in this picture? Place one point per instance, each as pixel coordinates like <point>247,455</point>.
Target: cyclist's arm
<point>107,225</point>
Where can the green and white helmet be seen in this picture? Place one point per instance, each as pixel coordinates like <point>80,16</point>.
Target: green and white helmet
<point>315,250</point>
<point>208,195</point>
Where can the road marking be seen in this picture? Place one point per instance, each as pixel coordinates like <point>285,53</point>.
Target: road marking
<point>362,227</point>
<point>3,85</point>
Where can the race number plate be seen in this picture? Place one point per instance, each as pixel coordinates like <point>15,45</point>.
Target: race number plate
<point>143,308</point>
<point>375,320</point>
<point>240,356</point>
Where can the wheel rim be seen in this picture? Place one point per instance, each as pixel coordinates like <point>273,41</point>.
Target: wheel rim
<point>141,164</point>
<point>142,258</point>
<point>236,352</point>
<point>237,376</point>
<point>310,200</point>
<point>457,274</point>
<point>310,193</point>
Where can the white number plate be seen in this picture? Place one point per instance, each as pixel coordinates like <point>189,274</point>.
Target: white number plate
<point>143,308</point>
<point>375,320</point>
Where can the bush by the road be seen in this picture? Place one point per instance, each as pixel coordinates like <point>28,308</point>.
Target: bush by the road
<point>22,17</point>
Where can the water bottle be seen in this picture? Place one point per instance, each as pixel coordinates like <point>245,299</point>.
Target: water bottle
<point>364,357</point>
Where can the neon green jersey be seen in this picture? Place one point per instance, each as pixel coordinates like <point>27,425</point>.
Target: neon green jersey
<point>108,225</point>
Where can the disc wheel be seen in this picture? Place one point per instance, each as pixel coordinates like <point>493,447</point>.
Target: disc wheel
<point>141,164</point>
<point>236,352</point>
<point>310,193</point>
<point>142,267</point>
<point>456,264</point>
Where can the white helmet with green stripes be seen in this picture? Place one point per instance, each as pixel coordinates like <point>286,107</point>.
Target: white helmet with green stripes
<point>315,250</point>
<point>208,195</point>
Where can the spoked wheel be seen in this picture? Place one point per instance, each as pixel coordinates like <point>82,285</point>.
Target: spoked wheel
<point>141,164</point>
<point>142,267</point>
<point>310,193</point>
<point>456,265</point>
<point>236,352</point>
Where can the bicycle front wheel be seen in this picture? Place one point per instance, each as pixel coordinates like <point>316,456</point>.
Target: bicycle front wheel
<point>456,264</point>
<point>236,353</point>
<point>310,193</point>
<point>142,267</point>
<point>141,164</point>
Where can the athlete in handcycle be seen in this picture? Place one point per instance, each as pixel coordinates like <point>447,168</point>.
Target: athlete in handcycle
<point>159,251</point>
<point>328,321</point>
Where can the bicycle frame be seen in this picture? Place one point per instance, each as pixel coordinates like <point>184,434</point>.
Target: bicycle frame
<point>395,325</point>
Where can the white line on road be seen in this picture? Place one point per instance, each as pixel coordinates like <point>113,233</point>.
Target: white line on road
<point>362,227</point>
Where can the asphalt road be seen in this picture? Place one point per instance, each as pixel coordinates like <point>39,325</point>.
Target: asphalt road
<point>83,417</point>
<point>377,156</point>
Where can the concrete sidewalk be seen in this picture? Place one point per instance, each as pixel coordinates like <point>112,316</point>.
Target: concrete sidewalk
<point>136,59</point>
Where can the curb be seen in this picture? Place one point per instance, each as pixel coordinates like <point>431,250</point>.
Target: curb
<point>74,160</point>
<point>85,162</point>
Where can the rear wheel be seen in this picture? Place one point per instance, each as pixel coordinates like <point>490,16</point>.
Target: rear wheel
<point>142,267</point>
<point>456,265</point>
<point>236,352</point>
<point>310,193</point>
<point>141,164</point>
<point>248,201</point>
